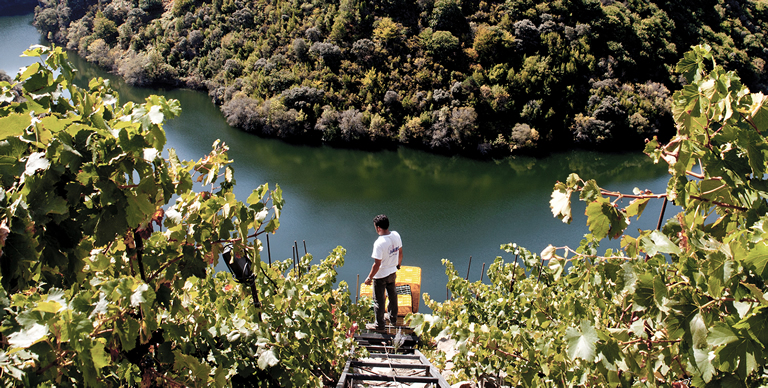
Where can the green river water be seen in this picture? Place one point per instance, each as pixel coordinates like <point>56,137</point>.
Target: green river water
<point>443,207</point>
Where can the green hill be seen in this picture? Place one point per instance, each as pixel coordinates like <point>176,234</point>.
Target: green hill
<point>473,77</point>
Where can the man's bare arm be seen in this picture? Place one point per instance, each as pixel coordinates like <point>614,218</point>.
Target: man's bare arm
<point>374,268</point>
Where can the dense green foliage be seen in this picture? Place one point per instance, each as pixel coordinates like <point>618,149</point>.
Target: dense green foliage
<point>684,305</point>
<point>479,77</point>
<point>107,254</point>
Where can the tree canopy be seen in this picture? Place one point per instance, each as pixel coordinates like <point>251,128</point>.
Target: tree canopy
<point>585,73</point>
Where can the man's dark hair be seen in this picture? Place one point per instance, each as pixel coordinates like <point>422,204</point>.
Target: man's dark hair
<point>381,221</point>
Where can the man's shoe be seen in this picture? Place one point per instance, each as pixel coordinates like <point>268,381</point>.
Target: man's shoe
<point>373,327</point>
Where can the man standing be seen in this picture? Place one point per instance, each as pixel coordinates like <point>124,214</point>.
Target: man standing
<point>387,258</point>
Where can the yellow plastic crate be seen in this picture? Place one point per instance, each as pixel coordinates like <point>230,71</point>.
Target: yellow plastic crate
<point>409,275</point>
<point>406,303</point>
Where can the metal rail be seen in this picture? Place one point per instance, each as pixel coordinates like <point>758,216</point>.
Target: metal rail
<point>392,363</point>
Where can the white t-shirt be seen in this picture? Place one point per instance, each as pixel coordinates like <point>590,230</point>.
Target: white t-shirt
<point>387,249</point>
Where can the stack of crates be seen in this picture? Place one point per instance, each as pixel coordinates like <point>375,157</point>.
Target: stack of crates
<point>408,287</point>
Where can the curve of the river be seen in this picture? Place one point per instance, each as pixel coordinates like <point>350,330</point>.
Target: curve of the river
<point>443,207</point>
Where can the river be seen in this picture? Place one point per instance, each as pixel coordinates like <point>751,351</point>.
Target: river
<point>443,207</point>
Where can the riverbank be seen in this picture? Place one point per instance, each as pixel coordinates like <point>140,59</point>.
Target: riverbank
<point>486,81</point>
<point>492,81</point>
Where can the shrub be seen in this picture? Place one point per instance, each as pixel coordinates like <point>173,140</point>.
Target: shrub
<point>391,98</point>
<point>313,34</point>
<point>98,52</point>
<point>151,5</point>
<point>590,131</point>
<point>441,96</point>
<point>493,44</point>
<point>47,21</point>
<point>447,16</point>
<point>233,66</point>
<point>463,122</point>
<point>363,50</point>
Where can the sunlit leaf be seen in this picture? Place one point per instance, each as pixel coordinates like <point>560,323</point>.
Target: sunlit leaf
<point>703,359</point>
<point>581,342</point>
<point>14,125</point>
<point>756,292</point>
<point>138,296</point>
<point>155,115</point>
<point>721,334</point>
<point>657,242</point>
<point>26,337</point>
<point>99,356</point>
<point>757,259</point>
<point>36,161</point>
<point>48,307</point>
<point>561,205</point>
<point>698,331</point>
<point>268,359</point>
<point>636,207</point>
<point>739,356</point>
<point>548,252</point>
<point>759,112</point>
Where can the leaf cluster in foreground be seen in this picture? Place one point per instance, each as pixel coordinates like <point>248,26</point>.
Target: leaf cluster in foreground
<point>683,305</point>
<point>108,249</point>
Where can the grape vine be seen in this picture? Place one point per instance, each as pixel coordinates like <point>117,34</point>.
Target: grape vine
<point>683,305</point>
<point>107,251</point>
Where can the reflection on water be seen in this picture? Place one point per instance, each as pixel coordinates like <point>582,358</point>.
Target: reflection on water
<point>16,35</point>
<point>443,207</point>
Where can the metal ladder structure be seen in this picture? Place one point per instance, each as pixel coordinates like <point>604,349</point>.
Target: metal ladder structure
<point>393,361</point>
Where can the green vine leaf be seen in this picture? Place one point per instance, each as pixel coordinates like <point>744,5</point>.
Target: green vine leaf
<point>582,342</point>
<point>268,359</point>
<point>29,336</point>
<point>605,220</point>
<point>14,125</point>
<point>561,204</point>
<point>757,259</point>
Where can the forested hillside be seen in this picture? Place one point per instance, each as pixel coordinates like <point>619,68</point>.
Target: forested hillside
<point>455,76</point>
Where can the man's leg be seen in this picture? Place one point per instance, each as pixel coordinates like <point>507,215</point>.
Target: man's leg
<point>392,295</point>
<point>379,287</point>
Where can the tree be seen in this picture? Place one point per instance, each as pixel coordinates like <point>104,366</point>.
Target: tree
<point>388,32</point>
<point>47,21</point>
<point>522,50</point>
<point>300,49</point>
<point>492,44</point>
<point>108,252</point>
<point>328,52</point>
<point>447,16</point>
<point>104,28</point>
<point>442,44</point>
<point>680,305</point>
<point>527,35</point>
